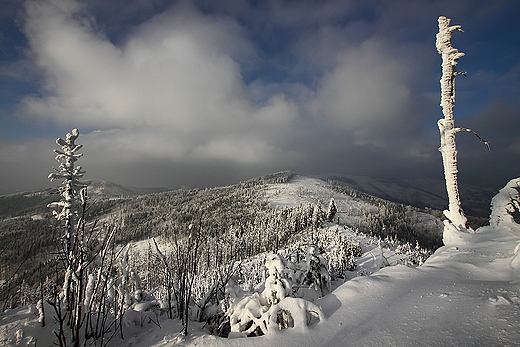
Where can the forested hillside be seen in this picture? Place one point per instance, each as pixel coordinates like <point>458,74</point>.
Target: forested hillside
<point>240,220</point>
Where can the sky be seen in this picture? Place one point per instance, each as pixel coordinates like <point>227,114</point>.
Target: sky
<point>204,93</point>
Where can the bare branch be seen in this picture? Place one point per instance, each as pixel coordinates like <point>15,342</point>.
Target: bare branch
<point>477,135</point>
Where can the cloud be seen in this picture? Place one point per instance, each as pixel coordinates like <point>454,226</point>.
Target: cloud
<point>368,89</point>
<point>203,91</point>
<point>22,164</point>
<point>173,90</point>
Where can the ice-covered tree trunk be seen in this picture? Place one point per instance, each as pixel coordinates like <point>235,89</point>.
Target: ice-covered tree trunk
<point>450,57</point>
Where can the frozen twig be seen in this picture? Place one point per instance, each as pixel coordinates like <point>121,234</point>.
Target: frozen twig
<point>477,135</point>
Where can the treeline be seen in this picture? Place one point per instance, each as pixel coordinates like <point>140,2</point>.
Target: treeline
<point>163,213</point>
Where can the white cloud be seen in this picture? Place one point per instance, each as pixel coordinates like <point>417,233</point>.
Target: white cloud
<point>173,90</point>
<point>367,90</point>
<point>236,88</point>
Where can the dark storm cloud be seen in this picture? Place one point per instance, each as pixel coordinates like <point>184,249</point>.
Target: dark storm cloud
<point>203,92</point>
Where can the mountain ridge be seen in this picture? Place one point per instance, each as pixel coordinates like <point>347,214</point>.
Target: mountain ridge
<point>419,193</point>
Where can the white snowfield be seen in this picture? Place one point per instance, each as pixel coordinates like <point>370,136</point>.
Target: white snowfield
<point>464,295</point>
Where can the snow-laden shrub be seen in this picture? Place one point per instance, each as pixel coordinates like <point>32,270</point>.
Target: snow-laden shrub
<point>341,257</point>
<point>277,287</point>
<point>412,255</point>
<point>308,272</point>
<point>247,318</point>
<point>271,308</point>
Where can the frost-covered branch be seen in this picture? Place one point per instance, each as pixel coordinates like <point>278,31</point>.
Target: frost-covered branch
<point>474,133</point>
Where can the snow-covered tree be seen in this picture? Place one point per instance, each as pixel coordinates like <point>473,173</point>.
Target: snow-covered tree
<point>317,217</point>
<point>448,148</point>
<point>331,212</point>
<point>504,204</point>
<point>70,209</point>
<point>85,255</point>
<point>72,190</point>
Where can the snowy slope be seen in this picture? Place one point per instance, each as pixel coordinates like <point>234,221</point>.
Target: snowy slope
<point>303,190</point>
<point>467,295</point>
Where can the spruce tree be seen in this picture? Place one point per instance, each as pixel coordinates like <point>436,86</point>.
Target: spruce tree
<point>70,209</point>
<point>72,190</point>
<point>331,212</point>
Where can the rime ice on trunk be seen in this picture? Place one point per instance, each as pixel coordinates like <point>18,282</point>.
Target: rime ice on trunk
<point>450,57</point>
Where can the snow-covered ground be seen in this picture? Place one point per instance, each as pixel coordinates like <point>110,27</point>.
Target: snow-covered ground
<point>463,295</point>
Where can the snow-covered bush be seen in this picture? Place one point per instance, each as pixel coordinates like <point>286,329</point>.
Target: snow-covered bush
<point>341,257</point>
<point>276,286</point>
<point>271,308</point>
<point>310,277</point>
<point>412,255</point>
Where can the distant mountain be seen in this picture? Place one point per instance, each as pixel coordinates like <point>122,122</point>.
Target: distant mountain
<point>419,192</point>
<point>36,201</point>
<point>18,204</point>
<point>98,189</point>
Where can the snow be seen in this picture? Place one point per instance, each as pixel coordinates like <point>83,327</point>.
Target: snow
<point>461,296</point>
<point>466,294</point>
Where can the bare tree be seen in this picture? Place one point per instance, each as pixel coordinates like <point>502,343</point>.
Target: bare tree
<point>448,148</point>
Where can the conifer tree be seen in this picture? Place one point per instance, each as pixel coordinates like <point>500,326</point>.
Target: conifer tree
<point>317,217</point>
<point>331,212</point>
<point>74,253</point>
<point>71,189</point>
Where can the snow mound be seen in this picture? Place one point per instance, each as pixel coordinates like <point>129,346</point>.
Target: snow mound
<point>504,204</point>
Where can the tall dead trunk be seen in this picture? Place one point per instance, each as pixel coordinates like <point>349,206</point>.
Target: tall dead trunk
<point>450,57</point>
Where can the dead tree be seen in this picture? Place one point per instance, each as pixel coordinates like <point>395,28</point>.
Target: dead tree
<point>448,148</point>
